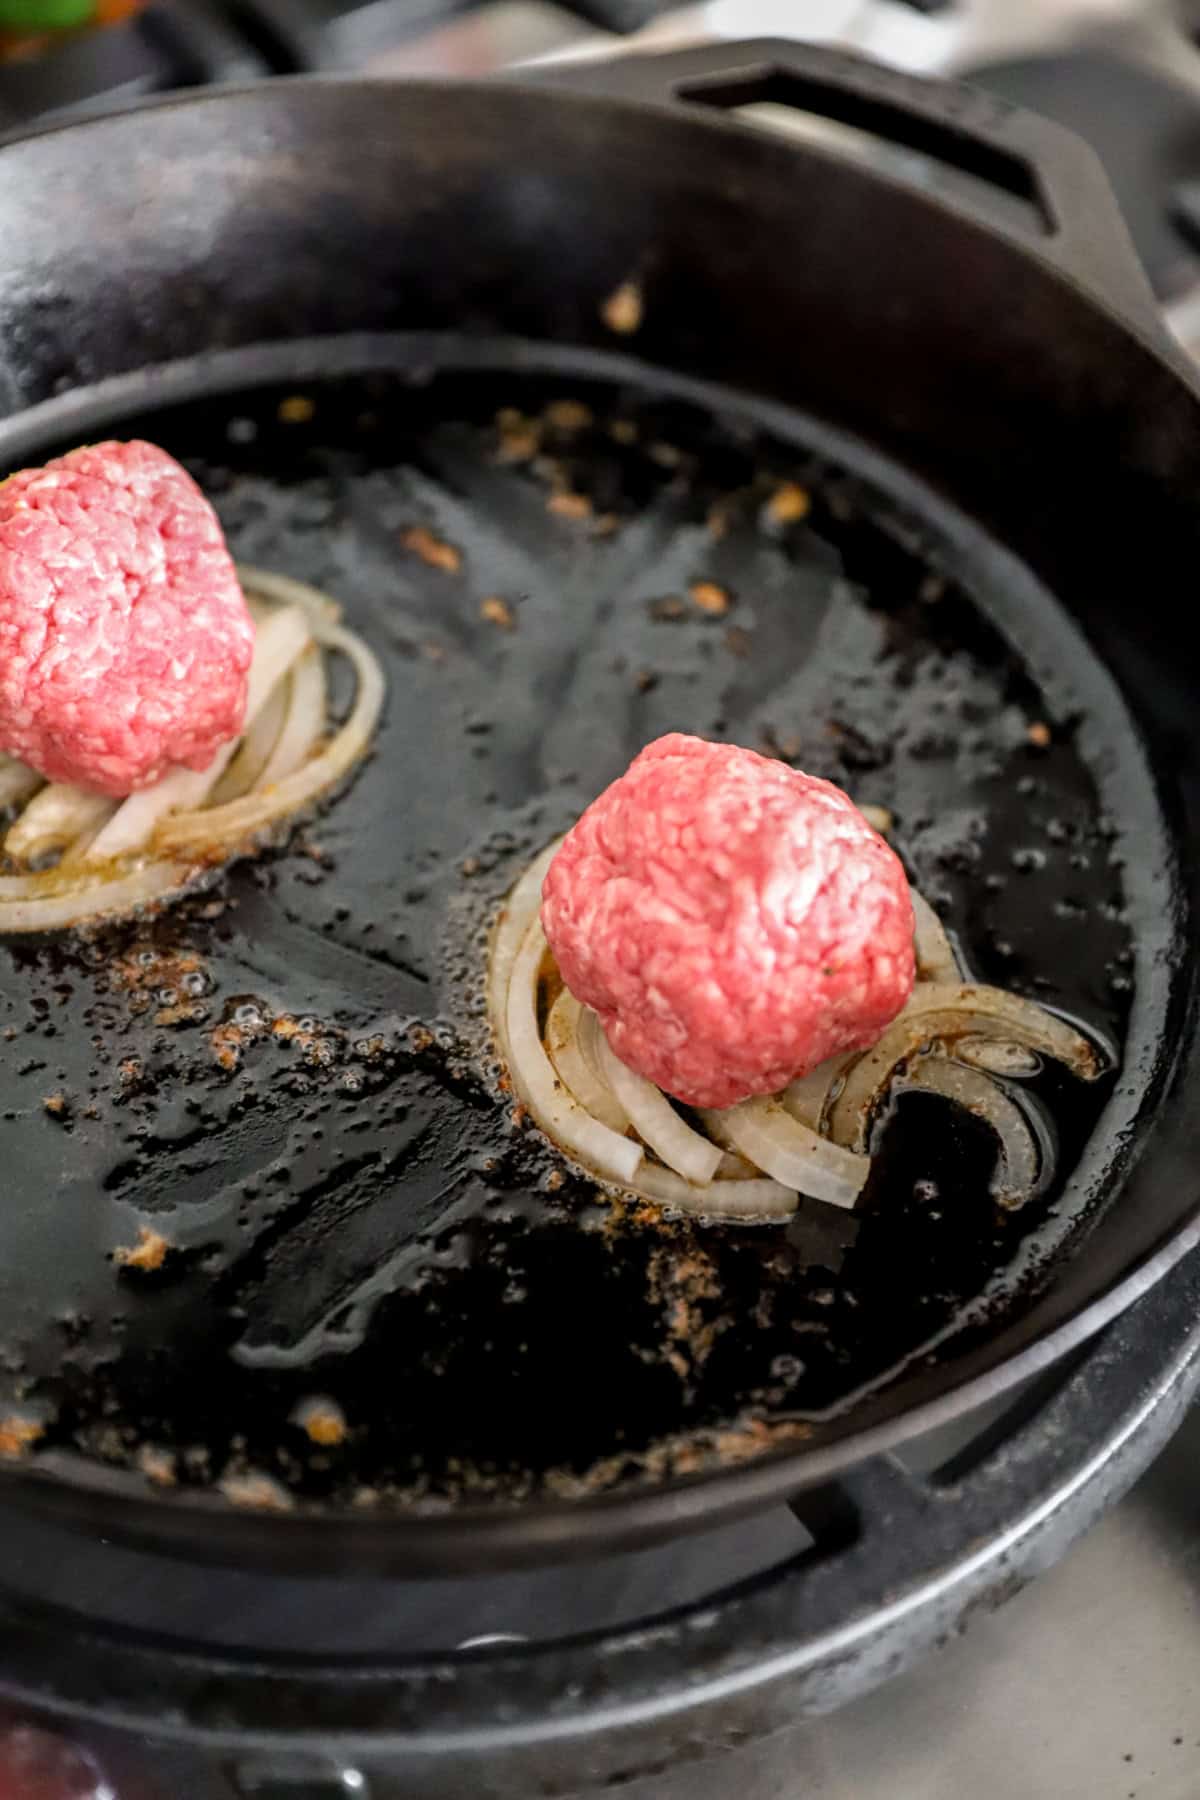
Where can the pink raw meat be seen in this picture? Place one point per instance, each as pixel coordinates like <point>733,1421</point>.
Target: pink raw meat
<point>124,636</point>
<point>733,921</point>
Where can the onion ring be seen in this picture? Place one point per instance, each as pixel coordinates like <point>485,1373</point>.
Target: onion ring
<point>56,816</point>
<point>254,751</point>
<point>794,1155</point>
<point>807,1097</point>
<point>17,781</point>
<point>1020,1160</point>
<point>575,1069</point>
<point>943,1013</point>
<point>241,819</point>
<point>278,643</point>
<point>517,914</point>
<point>745,1200</point>
<point>593,1144</point>
<point>657,1123</point>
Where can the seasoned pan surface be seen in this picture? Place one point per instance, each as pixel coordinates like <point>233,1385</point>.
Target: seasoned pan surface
<point>271,1225</point>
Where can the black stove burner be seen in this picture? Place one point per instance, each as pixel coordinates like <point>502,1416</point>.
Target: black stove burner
<point>568,1682</point>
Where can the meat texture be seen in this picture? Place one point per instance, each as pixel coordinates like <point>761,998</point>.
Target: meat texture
<point>733,921</point>
<point>124,636</point>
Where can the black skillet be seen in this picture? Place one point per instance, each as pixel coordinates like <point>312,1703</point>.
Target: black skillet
<point>321,295</point>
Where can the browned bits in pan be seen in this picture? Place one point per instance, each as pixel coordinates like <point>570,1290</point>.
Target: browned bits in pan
<point>228,1041</point>
<point>297,409</point>
<point>432,550</point>
<point>322,1421</point>
<point>623,431</point>
<point>56,1105</point>
<point>668,608</point>
<point>788,504</point>
<point>520,436</point>
<point>148,1254</point>
<point>718,521</point>
<point>18,1436</point>
<point>497,611</point>
<point>257,1491</point>
<point>568,415</point>
<point>622,312</point>
<point>710,598</point>
<point>569,506</point>
<point>1038,733</point>
<point>157,1465</point>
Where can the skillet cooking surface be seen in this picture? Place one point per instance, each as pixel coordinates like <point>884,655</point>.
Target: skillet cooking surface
<point>286,1078</point>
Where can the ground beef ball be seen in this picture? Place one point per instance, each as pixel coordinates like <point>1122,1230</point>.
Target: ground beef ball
<point>124,637</point>
<point>733,921</point>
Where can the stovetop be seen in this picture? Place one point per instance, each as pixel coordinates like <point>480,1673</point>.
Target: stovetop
<point>1084,1685</point>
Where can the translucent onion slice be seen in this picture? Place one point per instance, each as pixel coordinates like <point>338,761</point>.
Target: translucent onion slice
<point>285,590</point>
<point>305,720</point>
<point>242,819</point>
<point>879,818</point>
<point>56,816</point>
<point>516,916</point>
<point>657,1123</point>
<point>807,1097</point>
<point>942,1013</point>
<point>996,1056</point>
<point>254,751</point>
<point>795,1156</point>
<point>1021,1163</point>
<point>278,642</point>
<point>936,960</point>
<point>745,1200</point>
<point>47,902</point>
<point>603,1151</point>
<point>17,781</point>
<point>575,1069</point>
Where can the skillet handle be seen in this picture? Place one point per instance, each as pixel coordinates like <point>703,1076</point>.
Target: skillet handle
<point>1069,214</point>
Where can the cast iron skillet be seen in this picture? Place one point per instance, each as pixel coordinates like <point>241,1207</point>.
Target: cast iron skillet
<point>322,295</point>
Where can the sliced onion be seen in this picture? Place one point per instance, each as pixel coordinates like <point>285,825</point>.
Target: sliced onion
<point>879,818</point>
<point>40,903</point>
<point>279,641</point>
<point>797,1158</point>
<point>241,819</point>
<point>996,1056</point>
<point>305,720</point>
<point>936,959</point>
<point>17,781</point>
<point>254,751</point>
<point>1021,1165</point>
<point>944,1013</point>
<point>285,590</point>
<point>657,1123</point>
<point>58,815</point>
<point>751,1199</point>
<point>600,1149</point>
<point>807,1097</point>
<point>574,1068</point>
<point>516,916</point>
